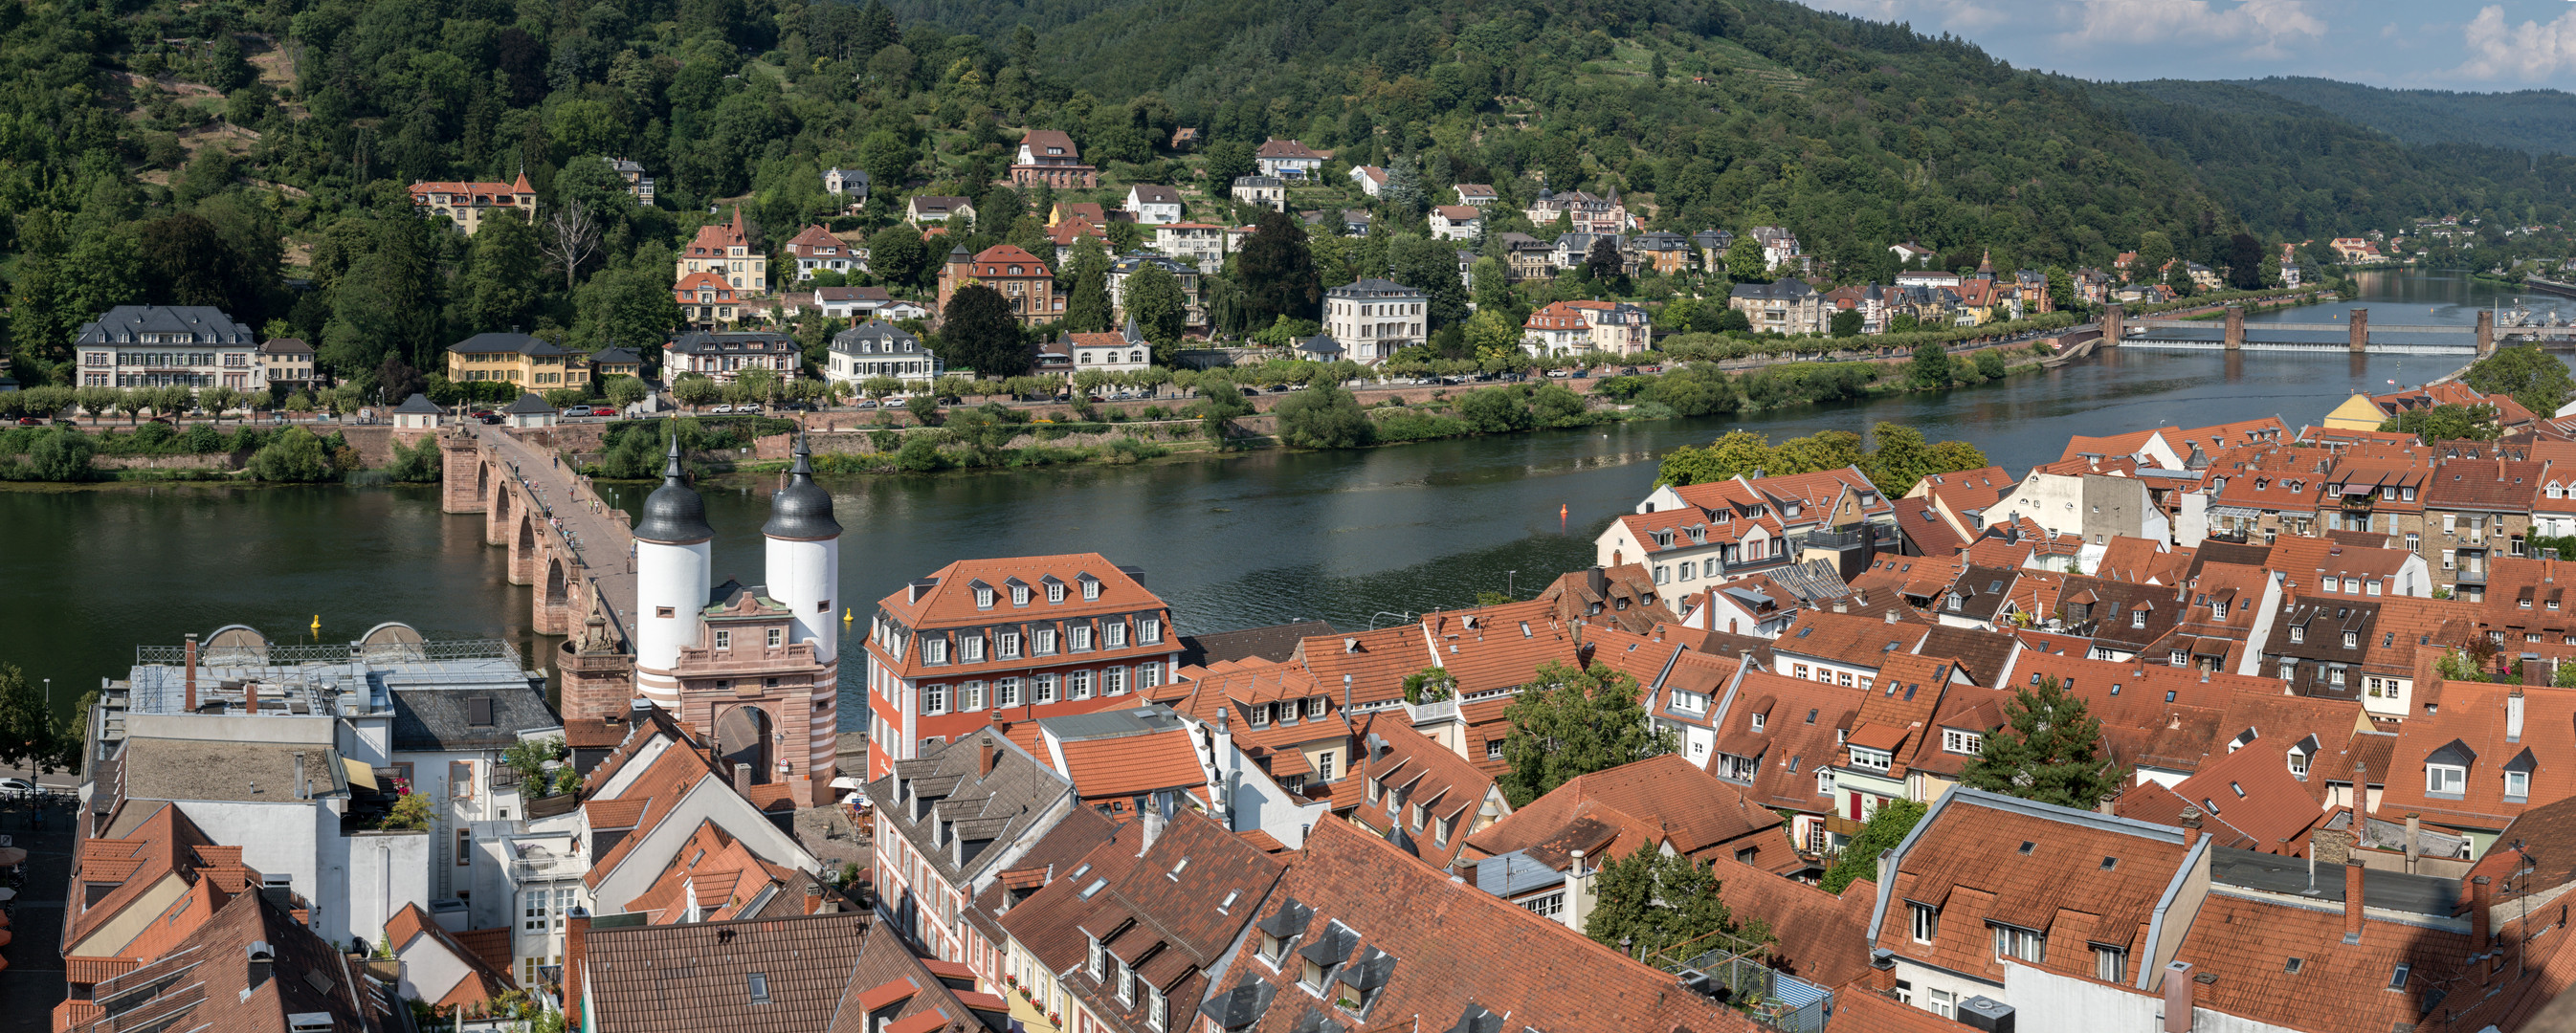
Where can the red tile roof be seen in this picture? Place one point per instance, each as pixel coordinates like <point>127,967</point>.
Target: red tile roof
<point>1132,765</point>
<point>1457,948</point>
<point>2243,947</point>
<point>2072,876</point>
<point>1423,773</point>
<point>1668,797</point>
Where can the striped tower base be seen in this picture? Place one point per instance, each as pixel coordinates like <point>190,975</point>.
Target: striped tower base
<point>824,736</point>
<point>661,688</point>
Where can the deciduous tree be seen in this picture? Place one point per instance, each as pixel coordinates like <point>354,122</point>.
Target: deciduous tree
<point>1278,271</point>
<point>1650,903</point>
<point>978,332</point>
<point>1568,722</point>
<point>2045,751</point>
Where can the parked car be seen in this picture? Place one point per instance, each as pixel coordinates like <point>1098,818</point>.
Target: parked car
<point>1560,373</point>
<point>490,417</point>
<point>30,421</point>
<point>16,788</point>
<point>722,408</point>
<point>576,410</point>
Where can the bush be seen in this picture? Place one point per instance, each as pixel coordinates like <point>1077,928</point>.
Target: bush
<point>1495,410</point>
<point>1133,450</point>
<point>61,455</point>
<point>418,464</point>
<point>1323,417</point>
<point>920,455</point>
<point>295,457</point>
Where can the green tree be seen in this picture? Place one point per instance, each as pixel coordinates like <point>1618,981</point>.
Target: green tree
<point>1433,684</point>
<point>1737,453</point>
<point>294,456</point>
<point>888,157</point>
<point>1885,829</point>
<point>1430,266</point>
<point>694,390</point>
<point>979,332</point>
<point>2448,421</point>
<point>418,463</point>
<point>1568,722</point>
<point>26,725</point>
<point>624,391</point>
<point>1604,264</point>
<point>61,454</point>
<point>2533,377</point>
<point>897,255</point>
<point>1990,363</point>
<point>502,285</point>
<point>1491,333</point>
<point>1323,416</point>
<point>1846,323</point>
<point>1931,368</point>
<point>1225,162</point>
<point>1903,458</point>
<point>2154,250</point>
<point>2045,751</point>
<point>1155,302</point>
<point>1088,310</point>
<point>1734,321</point>
<point>1650,902</point>
<point>1278,271</point>
<point>1495,410</point>
<point>1744,261</point>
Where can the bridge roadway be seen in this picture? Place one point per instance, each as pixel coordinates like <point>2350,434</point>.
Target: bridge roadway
<point>564,537</point>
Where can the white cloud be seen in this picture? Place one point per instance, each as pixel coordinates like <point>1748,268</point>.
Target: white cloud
<point>1933,16</point>
<point>2250,28</point>
<point>2528,52</point>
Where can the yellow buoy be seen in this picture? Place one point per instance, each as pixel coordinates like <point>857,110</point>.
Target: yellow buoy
<point>847,615</point>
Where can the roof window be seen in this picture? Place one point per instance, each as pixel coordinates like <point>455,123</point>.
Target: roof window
<point>759,987</point>
<point>2026,847</point>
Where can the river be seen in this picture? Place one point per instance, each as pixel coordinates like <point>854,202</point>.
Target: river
<point>1355,538</point>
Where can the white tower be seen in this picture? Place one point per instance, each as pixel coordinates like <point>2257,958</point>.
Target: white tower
<point>672,557</point>
<point>804,564</point>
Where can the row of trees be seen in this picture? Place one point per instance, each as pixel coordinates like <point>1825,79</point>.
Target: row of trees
<point>1900,457</point>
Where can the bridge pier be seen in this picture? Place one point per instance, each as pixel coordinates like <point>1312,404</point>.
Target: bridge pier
<point>2486,332</point>
<point>464,483</point>
<point>2111,328</point>
<point>2235,328</point>
<point>496,516</point>
<point>2359,327</point>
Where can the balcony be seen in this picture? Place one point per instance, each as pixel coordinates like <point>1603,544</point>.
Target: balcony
<point>1842,826</point>
<point>1435,711</point>
<point>2466,576</point>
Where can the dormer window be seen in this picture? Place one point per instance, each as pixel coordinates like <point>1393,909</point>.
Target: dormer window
<point>1019,595</point>
<point>2351,640</point>
<point>1055,591</point>
<point>1758,720</point>
<point>1091,589</point>
<point>983,598</point>
<point>2298,633</point>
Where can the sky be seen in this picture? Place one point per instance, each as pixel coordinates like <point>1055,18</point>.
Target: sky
<point>2419,44</point>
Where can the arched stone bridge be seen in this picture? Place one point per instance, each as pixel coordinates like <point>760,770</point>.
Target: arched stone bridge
<point>563,537</point>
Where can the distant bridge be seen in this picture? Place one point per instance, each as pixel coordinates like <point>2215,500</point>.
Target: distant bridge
<point>2357,332</point>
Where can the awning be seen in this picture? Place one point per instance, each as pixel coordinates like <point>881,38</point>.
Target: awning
<point>360,775</point>
<point>2243,512</point>
<point>845,782</point>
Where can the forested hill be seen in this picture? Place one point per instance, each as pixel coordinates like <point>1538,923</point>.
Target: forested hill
<point>2523,120</point>
<point>2297,171</point>
<point>254,155</point>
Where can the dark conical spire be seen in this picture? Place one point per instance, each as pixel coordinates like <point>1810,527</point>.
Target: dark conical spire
<point>802,510</point>
<point>674,514</point>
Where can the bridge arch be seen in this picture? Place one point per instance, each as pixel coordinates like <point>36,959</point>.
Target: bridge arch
<point>482,481</point>
<point>745,734</point>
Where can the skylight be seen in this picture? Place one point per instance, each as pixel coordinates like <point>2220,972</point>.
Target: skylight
<point>1095,886</point>
<point>2109,863</point>
<point>2293,967</point>
<point>2026,847</point>
<point>759,988</point>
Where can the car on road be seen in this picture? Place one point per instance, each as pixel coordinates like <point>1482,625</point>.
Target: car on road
<point>16,788</point>
<point>30,421</point>
<point>490,417</point>
<point>721,408</point>
<point>1560,373</point>
<point>576,410</point>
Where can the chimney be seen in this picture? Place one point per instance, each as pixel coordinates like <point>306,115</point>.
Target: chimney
<point>2481,901</point>
<point>2414,828</point>
<point>1578,903</point>
<point>1152,824</point>
<point>2513,710</point>
<point>984,756</point>
<point>2352,903</point>
<point>2178,981</point>
<point>261,957</point>
<point>576,961</point>
<point>1891,616</point>
<point>2190,827</point>
<point>2360,797</point>
<point>1886,867</point>
<point>1225,766</point>
<point>742,779</point>
<point>1881,977</point>
<point>250,698</point>
<point>1346,696</point>
<point>192,672</point>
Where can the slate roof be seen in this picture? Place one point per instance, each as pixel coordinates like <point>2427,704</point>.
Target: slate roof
<point>418,405</point>
<point>505,344</point>
<point>204,323</point>
<point>1015,797</point>
<point>461,719</point>
<point>530,405</point>
<point>1277,642</point>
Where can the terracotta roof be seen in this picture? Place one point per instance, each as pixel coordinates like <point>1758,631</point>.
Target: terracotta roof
<point>1457,953</point>
<point>1822,938</point>
<point>2253,792</point>
<point>2142,560</point>
<point>1115,769</point>
<point>811,976</point>
<point>306,975</point>
<point>2471,730</point>
<point>1800,717</point>
<point>1848,639</point>
<point>659,789</point>
<point>167,844</point>
<point>477,985</point>
<point>2072,876</point>
<point>951,602</point>
<point>1426,774</point>
<point>2243,949</point>
<point>724,875</point>
<point>1700,815</point>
